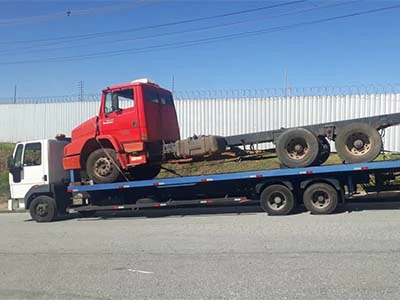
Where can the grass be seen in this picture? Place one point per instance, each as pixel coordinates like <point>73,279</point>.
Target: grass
<point>252,163</point>
<point>5,151</point>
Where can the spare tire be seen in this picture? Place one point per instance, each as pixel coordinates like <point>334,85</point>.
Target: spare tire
<point>297,147</point>
<point>358,143</point>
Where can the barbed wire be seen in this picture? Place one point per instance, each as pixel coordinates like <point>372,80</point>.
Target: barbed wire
<point>290,92</point>
<point>367,89</point>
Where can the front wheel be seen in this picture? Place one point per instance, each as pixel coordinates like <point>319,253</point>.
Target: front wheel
<point>43,209</point>
<point>102,166</point>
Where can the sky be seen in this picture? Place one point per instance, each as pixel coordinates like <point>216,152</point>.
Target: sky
<point>48,47</point>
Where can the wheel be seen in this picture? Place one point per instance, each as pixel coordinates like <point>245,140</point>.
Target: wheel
<point>87,213</point>
<point>101,168</point>
<point>144,172</point>
<point>43,209</point>
<point>358,142</point>
<point>277,200</point>
<point>297,147</point>
<point>320,198</point>
<point>324,150</point>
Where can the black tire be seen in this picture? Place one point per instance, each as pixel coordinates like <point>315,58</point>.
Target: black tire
<point>277,200</point>
<point>43,209</point>
<point>297,147</point>
<point>358,143</point>
<point>324,150</point>
<point>144,172</point>
<point>320,198</point>
<point>100,168</point>
<point>87,213</point>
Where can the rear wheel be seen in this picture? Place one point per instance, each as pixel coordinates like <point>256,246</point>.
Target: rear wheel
<point>324,150</point>
<point>101,166</point>
<point>297,147</point>
<point>277,200</point>
<point>320,198</point>
<point>43,209</point>
<point>358,142</point>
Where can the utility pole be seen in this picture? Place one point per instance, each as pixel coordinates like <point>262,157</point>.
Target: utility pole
<point>172,84</point>
<point>15,93</point>
<point>81,88</point>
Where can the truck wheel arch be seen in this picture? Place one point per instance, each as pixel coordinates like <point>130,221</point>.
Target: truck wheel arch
<point>262,185</point>
<point>93,144</point>
<point>35,191</point>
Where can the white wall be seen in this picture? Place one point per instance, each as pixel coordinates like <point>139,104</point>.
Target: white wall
<point>209,116</point>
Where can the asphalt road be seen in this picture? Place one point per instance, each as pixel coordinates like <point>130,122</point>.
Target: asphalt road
<point>203,254</point>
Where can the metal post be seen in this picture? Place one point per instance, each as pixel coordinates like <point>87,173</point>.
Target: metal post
<point>15,94</point>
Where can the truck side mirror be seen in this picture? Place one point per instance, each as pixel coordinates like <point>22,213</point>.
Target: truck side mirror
<point>13,169</point>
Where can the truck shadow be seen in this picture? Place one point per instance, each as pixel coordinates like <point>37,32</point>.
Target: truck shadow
<point>350,207</point>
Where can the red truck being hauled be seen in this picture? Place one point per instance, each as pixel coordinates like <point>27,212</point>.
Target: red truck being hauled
<point>137,130</point>
<point>134,122</point>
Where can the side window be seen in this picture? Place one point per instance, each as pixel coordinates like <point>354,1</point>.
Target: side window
<point>125,98</point>
<point>33,154</point>
<point>18,155</point>
<point>118,100</point>
<point>108,104</point>
<point>151,95</point>
<point>166,99</point>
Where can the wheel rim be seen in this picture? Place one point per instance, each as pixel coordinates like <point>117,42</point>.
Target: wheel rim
<point>103,167</point>
<point>358,144</point>
<point>42,209</point>
<point>321,199</point>
<point>277,201</point>
<point>297,148</point>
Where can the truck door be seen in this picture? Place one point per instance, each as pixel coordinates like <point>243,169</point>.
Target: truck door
<point>32,163</point>
<point>120,117</point>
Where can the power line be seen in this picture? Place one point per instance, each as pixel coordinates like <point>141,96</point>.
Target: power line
<point>211,27</point>
<point>108,33</point>
<point>57,15</point>
<point>202,41</point>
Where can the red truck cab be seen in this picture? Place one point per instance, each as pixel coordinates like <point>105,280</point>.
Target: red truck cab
<point>127,137</point>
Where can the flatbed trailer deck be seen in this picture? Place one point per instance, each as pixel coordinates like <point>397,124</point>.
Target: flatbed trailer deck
<point>321,189</point>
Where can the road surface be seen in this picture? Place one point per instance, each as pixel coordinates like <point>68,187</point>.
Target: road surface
<point>203,254</point>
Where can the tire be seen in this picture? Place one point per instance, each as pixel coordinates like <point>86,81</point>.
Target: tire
<point>145,172</point>
<point>87,213</point>
<point>320,198</point>
<point>100,168</point>
<point>324,150</point>
<point>358,143</point>
<point>297,147</point>
<point>43,209</point>
<point>277,200</point>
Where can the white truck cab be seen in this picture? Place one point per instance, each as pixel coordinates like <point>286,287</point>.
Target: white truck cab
<point>35,163</point>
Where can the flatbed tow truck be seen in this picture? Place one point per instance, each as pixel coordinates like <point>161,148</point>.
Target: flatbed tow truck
<point>38,179</point>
